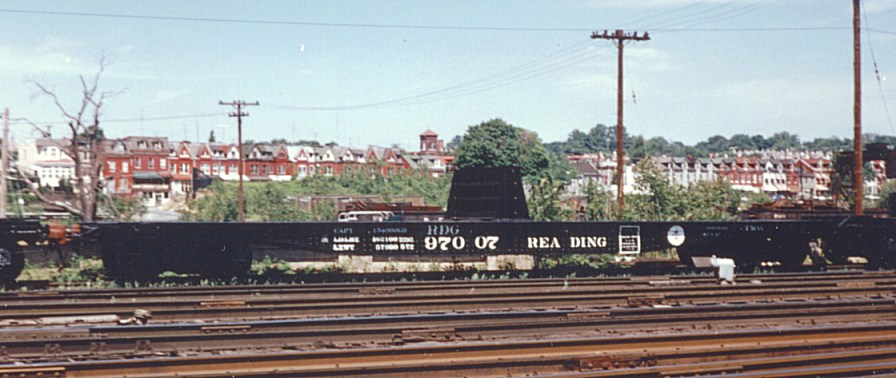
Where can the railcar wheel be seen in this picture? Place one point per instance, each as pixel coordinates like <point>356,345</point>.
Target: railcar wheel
<point>11,264</point>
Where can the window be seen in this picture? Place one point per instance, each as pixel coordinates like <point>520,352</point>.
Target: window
<point>281,170</point>
<point>137,163</point>
<point>151,164</point>
<point>253,169</point>
<point>184,168</point>
<point>163,164</point>
<point>303,169</point>
<point>216,168</point>
<point>204,168</point>
<point>124,167</point>
<point>111,166</point>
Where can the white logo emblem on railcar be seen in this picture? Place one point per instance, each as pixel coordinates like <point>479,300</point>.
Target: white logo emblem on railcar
<point>675,236</point>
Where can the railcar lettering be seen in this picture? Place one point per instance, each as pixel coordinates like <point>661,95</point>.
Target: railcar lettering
<point>343,247</point>
<point>542,242</point>
<point>486,242</point>
<point>442,230</point>
<point>343,231</point>
<point>444,243</point>
<point>390,230</point>
<point>587,242</point>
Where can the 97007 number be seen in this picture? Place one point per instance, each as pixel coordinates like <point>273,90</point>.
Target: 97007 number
<point>456,243</point>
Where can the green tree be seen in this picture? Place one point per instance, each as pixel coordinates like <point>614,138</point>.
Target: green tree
<point>496,143</point>
<point>600,203</point>
<point>122,208</point>
<point>545,201</point>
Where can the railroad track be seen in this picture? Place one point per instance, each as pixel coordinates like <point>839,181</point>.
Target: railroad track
<point>391,298</point>
<point>53,343</point>
<point>779,352</point>
<point>803,324</point>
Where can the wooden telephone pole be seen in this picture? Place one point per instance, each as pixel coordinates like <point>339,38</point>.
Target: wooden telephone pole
<point>620,37</point>
<point>239,114</point>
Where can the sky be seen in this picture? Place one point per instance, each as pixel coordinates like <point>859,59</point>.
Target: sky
<point>363,73</point>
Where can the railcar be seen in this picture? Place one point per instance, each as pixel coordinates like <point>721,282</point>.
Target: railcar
<point>486,216</point>
<point>15,234</point>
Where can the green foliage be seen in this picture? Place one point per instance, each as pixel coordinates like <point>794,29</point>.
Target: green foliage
<point>219,203</point>
<point>546,203</point>
<point>496,143</point>
<point>280,201</point>
<point>661,201</point>
<point>271,266</point>
<point>888,190</point>
<point>597,261</point>
<point>122,208</point>
<point>600,203</point>
<point>602,138</point>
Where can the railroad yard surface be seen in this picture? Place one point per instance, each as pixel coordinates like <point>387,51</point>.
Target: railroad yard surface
<point>783,325</point>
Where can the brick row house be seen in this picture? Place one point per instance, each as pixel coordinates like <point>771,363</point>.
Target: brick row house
<point>793,177</point>
<point>156,169</point>
<point>803,178</point>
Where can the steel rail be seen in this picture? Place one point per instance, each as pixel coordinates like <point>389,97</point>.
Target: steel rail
<point>387,301</point>
<point>422,286</point>
<point>90,342</point>
<point>510,357</point>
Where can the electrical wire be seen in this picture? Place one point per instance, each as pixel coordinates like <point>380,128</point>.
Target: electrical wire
<point>661,26</point>
<point>880,86</point>
<point>23,121</point>
<point>293,23</point>
<point>523,72</point>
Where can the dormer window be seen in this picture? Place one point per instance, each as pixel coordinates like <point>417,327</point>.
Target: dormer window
<point>157,145</point>
<point>141,144</point>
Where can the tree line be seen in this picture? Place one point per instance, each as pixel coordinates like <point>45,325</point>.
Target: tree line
<point>602,138</point>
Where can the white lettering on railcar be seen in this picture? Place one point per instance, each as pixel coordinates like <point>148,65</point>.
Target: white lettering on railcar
<point>542,242</point>
<point>587,242</point>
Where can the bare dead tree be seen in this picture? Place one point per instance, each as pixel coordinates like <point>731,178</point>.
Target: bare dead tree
<point>84,144</point>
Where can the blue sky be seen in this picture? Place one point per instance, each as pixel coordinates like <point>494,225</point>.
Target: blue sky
<point>380,72</point>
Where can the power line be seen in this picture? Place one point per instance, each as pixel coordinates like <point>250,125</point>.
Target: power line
<point>22,121</point>
<point>516,74</point>
<point>880,85</point>
<point>292,23</point>
<point>411,26</point>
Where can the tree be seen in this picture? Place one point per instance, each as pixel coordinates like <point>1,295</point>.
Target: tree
<point>83,145</point>
<point>454,143</point>
<point>496,143</point>
<point>545,202</point>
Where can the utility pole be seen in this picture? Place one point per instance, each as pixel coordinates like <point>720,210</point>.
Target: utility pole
<point>4,163</point>
<point>620,37</point>
<point>858,179</point>
<point>239,114</point>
